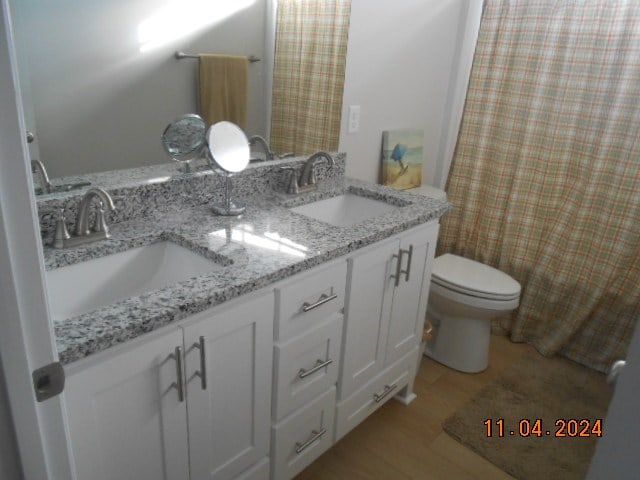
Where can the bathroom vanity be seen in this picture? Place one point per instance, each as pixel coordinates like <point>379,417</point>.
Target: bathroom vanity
<point>301,328</point>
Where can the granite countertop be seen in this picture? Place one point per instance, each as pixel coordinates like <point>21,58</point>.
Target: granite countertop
<point>266,244</point>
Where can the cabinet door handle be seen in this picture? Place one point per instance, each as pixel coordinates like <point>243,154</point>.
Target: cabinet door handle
<point>302,373</point>
<point>378,397</point>
<point>315,435</point>
<point>406,272</point>
<point>324,298</point>
<point>177,356</point>
<point>399,271</point>
<point>200,345</point>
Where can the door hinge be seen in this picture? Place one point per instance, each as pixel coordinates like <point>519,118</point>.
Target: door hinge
<point>48,381</point>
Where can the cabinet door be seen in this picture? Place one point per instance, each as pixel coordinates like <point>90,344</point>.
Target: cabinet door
<point>411,295</point>
<point>369,294</point>
<point>229,416</point>
<point>126,420</point>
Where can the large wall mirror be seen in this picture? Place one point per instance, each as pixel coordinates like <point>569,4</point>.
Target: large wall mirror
<point>100,81</point>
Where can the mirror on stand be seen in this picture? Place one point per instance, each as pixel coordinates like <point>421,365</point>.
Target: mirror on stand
<point>229,148</point>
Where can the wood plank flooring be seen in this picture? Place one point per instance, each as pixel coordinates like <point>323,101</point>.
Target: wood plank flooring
<point>407,442</point>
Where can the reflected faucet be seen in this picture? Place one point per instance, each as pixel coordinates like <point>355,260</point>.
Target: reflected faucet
<point>258,140</point>
<point>45,184</point>
<point>83,234</point>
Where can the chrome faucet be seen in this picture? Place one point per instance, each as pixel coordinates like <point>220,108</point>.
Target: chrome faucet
<point>307,180</point>
<point>83,234</point>
<point>45,184</point>
<point>308,175</point>
<point>258,140</point>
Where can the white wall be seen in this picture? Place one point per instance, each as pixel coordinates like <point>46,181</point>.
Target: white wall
<point>99,103</point>
<point>9,462</point>
<point>401,60</point>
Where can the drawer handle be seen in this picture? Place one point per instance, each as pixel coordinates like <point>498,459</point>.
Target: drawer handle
<point>324,298</point>
<point>177,356</point>
<point>315,435</point>
<point>319,366</point>
<point>201,345</point>
<point>399,271</point>
<point>406,272</point>
<point>387,390</point>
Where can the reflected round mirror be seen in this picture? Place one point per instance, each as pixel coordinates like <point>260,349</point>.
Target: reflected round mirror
<point>184,138</point>
<point>229,147</point>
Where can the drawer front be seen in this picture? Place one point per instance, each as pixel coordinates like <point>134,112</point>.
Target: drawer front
<point>302,437</point>
<point>308,298</point>
<point>306,366</point>
<point>353,410</point>
<point>260,471</point>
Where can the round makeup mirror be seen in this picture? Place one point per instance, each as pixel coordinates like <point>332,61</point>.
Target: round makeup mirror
<point>184,138</point>
<point>229,146</point>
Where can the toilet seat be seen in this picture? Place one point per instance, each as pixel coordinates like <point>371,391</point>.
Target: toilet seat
<point>468,277</point>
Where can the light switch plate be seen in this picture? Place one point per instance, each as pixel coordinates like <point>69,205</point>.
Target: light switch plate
<point>354,118</point>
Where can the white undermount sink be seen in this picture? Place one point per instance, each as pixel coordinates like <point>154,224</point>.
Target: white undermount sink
<point>344,210</point>
<point>85,286</point>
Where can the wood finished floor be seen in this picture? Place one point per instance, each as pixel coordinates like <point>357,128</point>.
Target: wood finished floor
<point>399,442</point>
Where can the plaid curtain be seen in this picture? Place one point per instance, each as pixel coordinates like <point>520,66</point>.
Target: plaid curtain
<point>545,180</point>
<point>308,77</point>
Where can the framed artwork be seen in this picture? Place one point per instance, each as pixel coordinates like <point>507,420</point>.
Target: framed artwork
<point>402,158</point>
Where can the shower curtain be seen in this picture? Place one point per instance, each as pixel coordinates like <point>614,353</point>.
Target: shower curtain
<point>545,179</point>
<point>308,77</point>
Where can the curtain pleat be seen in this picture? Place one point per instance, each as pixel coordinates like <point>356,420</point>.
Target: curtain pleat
<point>545,179</point>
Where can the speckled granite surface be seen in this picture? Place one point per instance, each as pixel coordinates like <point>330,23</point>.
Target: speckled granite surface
<point>138,192</point>
<point>266,244</point>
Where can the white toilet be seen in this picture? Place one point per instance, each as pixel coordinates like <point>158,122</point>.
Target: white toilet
<point>464,296</point>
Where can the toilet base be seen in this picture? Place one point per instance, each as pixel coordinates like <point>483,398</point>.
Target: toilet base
<point>461,343</point>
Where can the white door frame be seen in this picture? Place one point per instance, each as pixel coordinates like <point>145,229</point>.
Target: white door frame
<point>26,333</point>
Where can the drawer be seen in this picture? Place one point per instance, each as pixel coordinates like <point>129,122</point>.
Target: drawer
<point>308,298</point>
<point>306,366</point>
<point>260,471</point>
<point>303,436</point>
<point>354,409</point>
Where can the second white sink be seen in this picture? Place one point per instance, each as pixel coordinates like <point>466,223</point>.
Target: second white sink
<point>344,210</point>
<point>85,286</point>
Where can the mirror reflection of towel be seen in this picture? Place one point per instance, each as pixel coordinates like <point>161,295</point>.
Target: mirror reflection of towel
<point>223,89</point>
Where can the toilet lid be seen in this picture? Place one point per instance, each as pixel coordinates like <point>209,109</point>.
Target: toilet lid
<point>473,278</point>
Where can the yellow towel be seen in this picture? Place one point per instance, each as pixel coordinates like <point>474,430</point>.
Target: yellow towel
<point>223,89</point>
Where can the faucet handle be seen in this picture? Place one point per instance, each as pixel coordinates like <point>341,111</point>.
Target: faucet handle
<point>62,234</point>
<point>100,225</point>
<point>293,187</point>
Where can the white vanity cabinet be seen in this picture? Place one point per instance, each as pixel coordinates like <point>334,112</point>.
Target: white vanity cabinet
<point>143,411</point>
<point>387,296</point>
<point>228,388</point>
<point>261,386</point>
<point>308,334</point>
<point>125,416</point>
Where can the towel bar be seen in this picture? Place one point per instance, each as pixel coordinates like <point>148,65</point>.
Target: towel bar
<point>179,55</point>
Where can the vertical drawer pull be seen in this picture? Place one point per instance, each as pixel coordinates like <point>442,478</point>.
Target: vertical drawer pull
<point>378,397</point>
<point>406,272</point>
<point>177,356</point>
<point>399,271</point>
<point>200,345</point>
<point>324,298</point>
<point>320,364</point>
<point>315,435</point>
